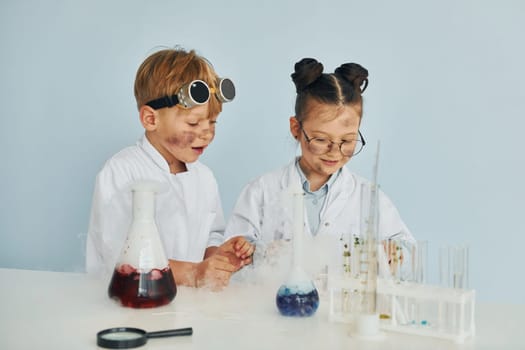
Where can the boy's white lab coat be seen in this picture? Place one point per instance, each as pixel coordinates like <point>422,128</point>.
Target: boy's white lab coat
<point>188,212</point>
<point>262,215</point>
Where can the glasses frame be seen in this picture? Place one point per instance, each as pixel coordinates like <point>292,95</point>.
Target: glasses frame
<point>340,144</point>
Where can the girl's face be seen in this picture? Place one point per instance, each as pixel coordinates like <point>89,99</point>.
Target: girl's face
<point>182,135</point>
<point>333,122</point>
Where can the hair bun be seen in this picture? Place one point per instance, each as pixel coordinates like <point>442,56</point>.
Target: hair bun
<point>355,74</point>
<point>306,72</point>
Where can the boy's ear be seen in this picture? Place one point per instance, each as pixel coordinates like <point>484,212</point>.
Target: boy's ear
<point>148,118</point>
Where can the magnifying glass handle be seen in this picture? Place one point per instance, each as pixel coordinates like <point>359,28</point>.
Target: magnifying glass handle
<point>170,333</point>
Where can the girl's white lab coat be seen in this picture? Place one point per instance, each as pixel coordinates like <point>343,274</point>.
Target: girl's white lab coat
<point>261,213</point>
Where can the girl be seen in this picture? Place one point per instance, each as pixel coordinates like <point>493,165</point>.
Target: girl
<point>328,113</point>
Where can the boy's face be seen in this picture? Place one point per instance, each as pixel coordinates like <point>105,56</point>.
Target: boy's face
<point>182,135</point>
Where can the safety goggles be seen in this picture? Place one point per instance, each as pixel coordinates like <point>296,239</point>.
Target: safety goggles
<point>196,93</point>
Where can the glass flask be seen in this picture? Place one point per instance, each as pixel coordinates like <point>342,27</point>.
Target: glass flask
<point>297,296</point>
<point>142,276</point>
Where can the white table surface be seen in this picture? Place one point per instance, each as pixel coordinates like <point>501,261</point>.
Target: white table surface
<point>55,310</point>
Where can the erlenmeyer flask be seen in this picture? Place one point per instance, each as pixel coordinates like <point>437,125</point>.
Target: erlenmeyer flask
<point>142,276</point>
<point>298,295</point>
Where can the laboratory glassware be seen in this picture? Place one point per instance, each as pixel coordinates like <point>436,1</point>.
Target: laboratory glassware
<point>142,277</point>
<point>298,296</point>
<point>367,317</point>
<point>454,266</point>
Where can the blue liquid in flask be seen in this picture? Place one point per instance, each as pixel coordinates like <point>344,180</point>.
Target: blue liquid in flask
<point>300,300</point>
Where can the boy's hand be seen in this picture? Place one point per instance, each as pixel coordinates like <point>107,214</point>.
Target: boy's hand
<point>214,272</point>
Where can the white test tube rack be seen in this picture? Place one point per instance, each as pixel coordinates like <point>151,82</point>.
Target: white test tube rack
<point>411,308</point>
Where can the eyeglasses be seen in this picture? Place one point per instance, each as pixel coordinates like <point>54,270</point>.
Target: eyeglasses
<point>319,145</point>
<point>196,93</point>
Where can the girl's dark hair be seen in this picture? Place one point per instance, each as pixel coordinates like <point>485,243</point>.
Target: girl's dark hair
<point>344,86</point>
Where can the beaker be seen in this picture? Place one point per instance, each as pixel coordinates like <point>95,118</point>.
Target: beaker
<point>298,295</point>
<point>142,276</point>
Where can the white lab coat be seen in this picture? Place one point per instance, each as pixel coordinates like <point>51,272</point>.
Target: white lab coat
<point>188,212</point>
<point>263,216</point>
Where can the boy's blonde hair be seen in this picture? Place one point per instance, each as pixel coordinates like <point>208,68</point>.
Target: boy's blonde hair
<point>165,72</point>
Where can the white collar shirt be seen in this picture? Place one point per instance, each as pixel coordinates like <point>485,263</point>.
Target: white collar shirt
<point>314,200</point>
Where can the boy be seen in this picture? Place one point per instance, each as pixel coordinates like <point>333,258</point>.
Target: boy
<point>179,97</point>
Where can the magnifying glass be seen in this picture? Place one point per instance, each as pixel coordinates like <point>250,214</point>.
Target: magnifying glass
<point>128,337</point>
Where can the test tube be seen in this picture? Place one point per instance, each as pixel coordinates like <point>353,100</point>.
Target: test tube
<point>417,273</point>
<point>453,273</point>
<point>419,262</point>
<point>454,266</point>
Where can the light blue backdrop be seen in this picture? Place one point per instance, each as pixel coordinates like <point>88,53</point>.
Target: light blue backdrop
<point>446,99</point>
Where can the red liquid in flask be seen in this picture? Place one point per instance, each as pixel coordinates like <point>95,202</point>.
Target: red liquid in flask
<point>142,290</point>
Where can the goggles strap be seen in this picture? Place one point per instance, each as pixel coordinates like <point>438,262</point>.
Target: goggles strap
<point>166,101</point>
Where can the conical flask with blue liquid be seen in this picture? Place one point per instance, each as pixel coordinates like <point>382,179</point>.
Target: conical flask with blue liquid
<point>298,296</point>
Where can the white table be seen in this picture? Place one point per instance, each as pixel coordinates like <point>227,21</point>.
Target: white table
<point>52,310</point>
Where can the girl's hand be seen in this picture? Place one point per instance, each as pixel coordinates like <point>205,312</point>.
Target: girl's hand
<point>240,248</point>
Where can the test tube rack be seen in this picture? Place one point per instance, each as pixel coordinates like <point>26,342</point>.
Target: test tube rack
<point>410,308</point>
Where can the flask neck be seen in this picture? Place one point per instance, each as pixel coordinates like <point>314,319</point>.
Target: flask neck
<point>298,228</point>
<point>143,205</point>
